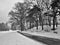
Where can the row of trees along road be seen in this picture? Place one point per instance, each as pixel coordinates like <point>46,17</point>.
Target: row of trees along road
<point>33,11</point>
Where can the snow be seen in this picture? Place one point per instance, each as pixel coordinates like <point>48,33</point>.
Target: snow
<point>14,38</point>
<point>6,31</point>
<point>49,34</point>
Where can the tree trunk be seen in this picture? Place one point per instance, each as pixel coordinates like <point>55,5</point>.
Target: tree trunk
<point>37,24</point>
<point>21,24</point>
<point>50,23</point>
<point>30,25</point>
<point>49,19</point>
<point>22,28</point>
<point>41,21</point>
<point>42,25</point>
<point>54,18</point>
<point>54,23</point>
<point>12,26</point>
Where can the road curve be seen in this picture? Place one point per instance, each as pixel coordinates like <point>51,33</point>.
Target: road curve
<point>14,38</point>
<point>48,41</point>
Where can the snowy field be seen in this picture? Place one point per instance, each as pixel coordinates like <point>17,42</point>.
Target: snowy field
<point>14,38</point>
<point>44,33</point>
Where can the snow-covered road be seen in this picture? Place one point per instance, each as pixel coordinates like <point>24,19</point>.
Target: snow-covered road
<point>14,38</point>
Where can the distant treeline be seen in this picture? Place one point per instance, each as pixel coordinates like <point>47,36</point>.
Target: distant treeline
<point>3,27</point>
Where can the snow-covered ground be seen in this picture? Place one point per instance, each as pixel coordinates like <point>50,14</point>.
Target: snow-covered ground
<point>7,31</point>
<point>14,38</point>
<point>44,33</point>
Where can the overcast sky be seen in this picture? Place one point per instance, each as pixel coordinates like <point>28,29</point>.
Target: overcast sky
<point>5,7</point>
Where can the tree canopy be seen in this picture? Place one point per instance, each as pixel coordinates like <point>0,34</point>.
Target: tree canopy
<point>33,11</point>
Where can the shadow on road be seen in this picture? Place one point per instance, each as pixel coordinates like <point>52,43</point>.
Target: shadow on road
<point>45,40</point>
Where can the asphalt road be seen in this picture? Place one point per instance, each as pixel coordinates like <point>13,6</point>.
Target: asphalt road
<point>14,38</point>
<point>45,40</point>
